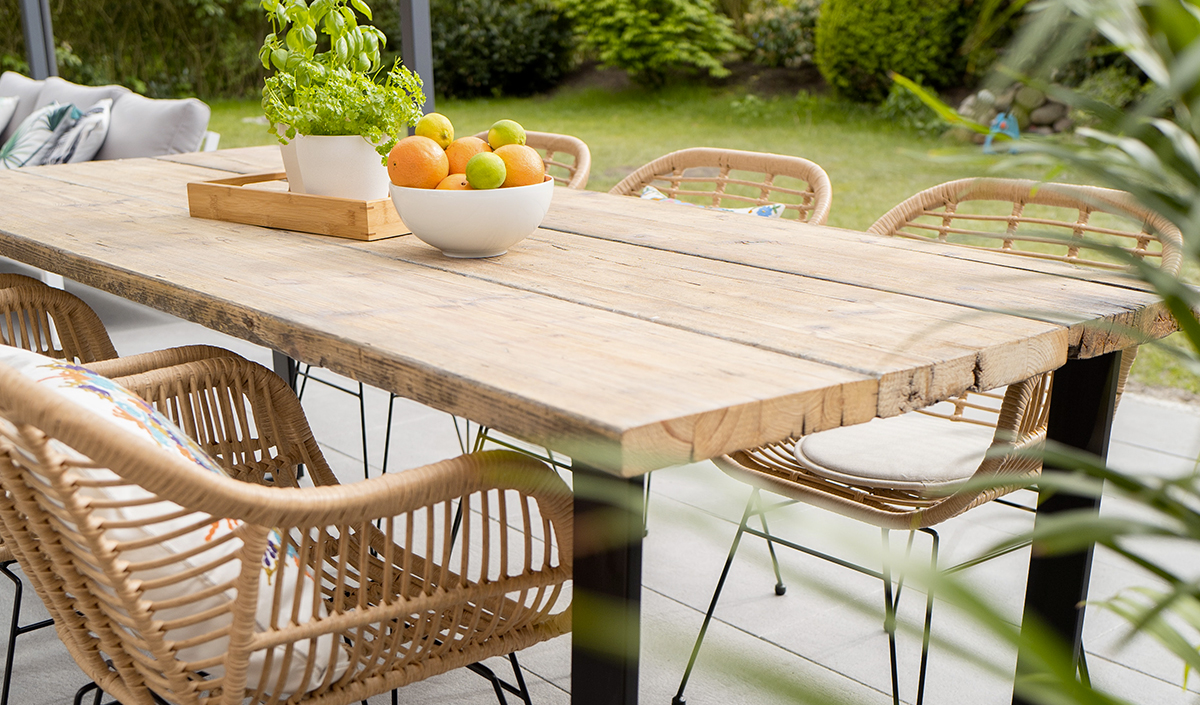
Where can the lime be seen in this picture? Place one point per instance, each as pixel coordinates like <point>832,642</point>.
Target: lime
<point>486,170</point>
<point>506,132</point>
<point>437,127</point>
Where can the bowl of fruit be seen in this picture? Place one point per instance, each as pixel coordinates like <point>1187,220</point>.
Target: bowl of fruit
<point>469,197</point>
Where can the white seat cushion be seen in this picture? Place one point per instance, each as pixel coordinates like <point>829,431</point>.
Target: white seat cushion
<point>145,127</point>
<point>914,452</point>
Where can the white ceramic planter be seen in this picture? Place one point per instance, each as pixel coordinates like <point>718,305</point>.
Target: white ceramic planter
<point>345,166</point>
<point>290,165</point>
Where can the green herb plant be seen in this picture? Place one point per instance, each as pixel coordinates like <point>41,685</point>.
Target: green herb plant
<point>326,79</point>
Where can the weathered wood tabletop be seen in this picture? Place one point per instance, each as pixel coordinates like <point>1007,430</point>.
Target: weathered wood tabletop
<point>628,334</point>
<point>631,334</point>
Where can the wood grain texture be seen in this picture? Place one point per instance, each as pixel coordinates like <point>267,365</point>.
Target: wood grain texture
<point>627,334</point>
<point>240,199</point>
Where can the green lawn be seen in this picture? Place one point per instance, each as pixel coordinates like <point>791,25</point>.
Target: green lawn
<point>872,164</point>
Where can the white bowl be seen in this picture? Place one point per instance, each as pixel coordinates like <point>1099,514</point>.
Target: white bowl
<point>473,223</point>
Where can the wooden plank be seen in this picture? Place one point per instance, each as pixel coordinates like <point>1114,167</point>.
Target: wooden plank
<point>241,160</point>
<point>1101,317</point>
<point>922,351</point>
<point>572,377</point>
<point>238,200</point>
<point>140,178</point>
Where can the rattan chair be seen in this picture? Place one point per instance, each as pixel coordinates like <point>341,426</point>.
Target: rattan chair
<point>895,490</point>
<point>402,600</point>
<point>731,178</point>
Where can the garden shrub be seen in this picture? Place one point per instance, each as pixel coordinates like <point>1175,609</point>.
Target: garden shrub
<point>651,38</point>
<point>492,47</point>
<point>859,41</point>
<point>163,49</point>
<point>783,35</point>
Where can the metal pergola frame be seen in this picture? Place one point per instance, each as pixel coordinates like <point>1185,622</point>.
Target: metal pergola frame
<point>417,50</point>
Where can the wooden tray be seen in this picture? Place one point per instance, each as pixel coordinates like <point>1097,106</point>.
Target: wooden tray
<point>263,199</point>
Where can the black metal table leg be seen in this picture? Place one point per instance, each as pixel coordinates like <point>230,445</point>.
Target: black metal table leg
<point>1081,415</point>
<point>608,584</point>
<point>285,367</point>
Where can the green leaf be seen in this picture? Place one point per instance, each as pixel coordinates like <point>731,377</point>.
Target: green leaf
<point>362,7</point>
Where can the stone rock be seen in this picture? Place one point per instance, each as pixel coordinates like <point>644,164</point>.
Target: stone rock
<point>1022,116</point>
<point>1040,130</point>
<point>1063,124</point>
<point>1048,114</point>
<point>967,107</point>
<point>1029,98</point>
<point>1004,101</point>
<point>985,97</point>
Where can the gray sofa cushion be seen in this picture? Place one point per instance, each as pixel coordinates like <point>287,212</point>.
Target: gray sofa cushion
<point>143,127</point>
<point>56,90</point>
<point>27,89</point>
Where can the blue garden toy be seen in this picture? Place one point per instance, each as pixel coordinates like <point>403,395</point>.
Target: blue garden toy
<point>1003,124</point>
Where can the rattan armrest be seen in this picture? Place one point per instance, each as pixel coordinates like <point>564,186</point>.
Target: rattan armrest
<point>144,362</point>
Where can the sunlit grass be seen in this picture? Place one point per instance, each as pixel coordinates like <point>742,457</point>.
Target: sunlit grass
<point>872,164</point>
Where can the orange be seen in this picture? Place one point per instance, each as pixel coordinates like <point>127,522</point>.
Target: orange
<point>461,150</point>
<point>417,162</point>
<point>455,182</point>
<point>523,166</point>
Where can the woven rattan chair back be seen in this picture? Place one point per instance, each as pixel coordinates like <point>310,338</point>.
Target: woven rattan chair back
<point>54,323</point>
<point>555,150</point>
<point>400,603</point>
<point>731,178</point>
<point>1082,225</point>
<point>242,414</point>
<point>8,280</point>
<point>1060,222</point>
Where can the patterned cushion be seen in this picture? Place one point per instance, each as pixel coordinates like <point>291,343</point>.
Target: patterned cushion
<point>8,106</point>
<point>769,210</point>
<point>81,142</point>
<point>105,398</point>
<point>36,135</point>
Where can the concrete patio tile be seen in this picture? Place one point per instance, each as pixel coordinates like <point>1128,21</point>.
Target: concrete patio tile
<point>1138,688</point>
<point>1160,425</point>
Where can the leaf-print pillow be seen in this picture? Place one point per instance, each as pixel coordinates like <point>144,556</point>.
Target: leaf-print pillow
<point>172,541</point>
<point>36,135</point>
<point>82,140</point>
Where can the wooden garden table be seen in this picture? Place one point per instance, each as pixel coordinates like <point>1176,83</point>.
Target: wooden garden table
<point>627,334</point>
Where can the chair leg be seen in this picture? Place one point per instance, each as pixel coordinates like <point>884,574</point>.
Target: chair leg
<point>712,606</point>
<point>521,690</point>
<point>387,434</point>
<point>362,421</point>
<point>362,412</point>
<point>13,629</point>
<point>889,617</point>
<point>933,560</point>
<point>780,588</point>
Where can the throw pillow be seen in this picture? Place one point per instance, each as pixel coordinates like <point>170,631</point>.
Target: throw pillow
<point>769,210</point>
<point>81,142</point>
<point>8,106</point>
<point>26,91</point>
<point>36,135</point>
<point>141,520</point>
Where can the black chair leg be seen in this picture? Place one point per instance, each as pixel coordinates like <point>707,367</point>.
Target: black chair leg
<point>15,628</point>
<point>889,617</point>
<point>892,603</point>
<point>780,588</point>
<point>362,411</point>
<point>521,690</point>
<point>712,606</point>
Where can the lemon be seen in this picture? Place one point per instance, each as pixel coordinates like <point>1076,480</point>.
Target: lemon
<point>506,132</point>
<point>437,127</point>
<point>486,170</point>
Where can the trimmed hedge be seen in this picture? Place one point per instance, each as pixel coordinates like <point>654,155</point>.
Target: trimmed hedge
<point>492,47</point>
<point>860,41</point>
